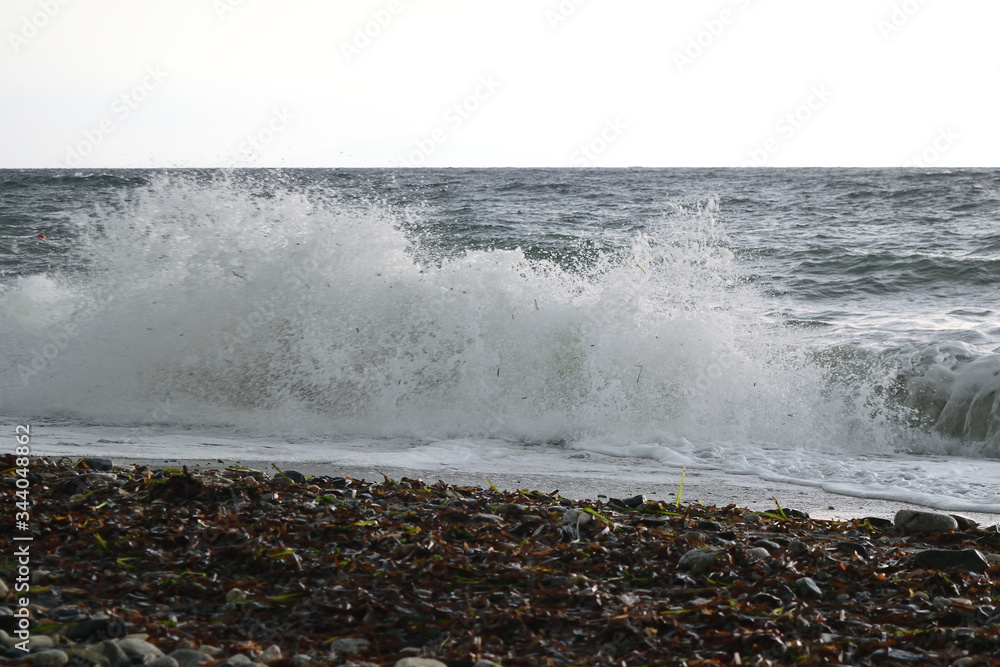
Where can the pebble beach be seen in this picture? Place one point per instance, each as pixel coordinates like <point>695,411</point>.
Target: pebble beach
<point>134,564</point>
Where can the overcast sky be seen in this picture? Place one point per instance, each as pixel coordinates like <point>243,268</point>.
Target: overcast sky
<point>606,83</point>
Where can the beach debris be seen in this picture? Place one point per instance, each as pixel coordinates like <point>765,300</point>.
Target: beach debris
<point>213,567</point>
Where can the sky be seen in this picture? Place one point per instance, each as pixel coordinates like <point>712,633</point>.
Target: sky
<point>499,83</point>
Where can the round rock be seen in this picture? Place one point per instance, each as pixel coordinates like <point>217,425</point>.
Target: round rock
<point>187,657</point>
<point>140,648</point>
<point>914,522</point>
<point>349,645</point>
<point>700,559</point>
<point>420,662</point>
<point>163,661</point>
<point>52,658</point>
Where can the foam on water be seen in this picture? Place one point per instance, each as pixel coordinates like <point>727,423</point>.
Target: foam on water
<point>282,311</point>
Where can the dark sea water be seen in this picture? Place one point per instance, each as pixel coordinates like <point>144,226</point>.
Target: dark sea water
<point>833,327</point>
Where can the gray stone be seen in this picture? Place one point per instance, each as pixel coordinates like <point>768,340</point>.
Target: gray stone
<point>420,662</point>
<point>235,596</point>
<point>140,648</point>
<point>758,553</point>
<point>895,655</point>
<point>4,590</point>
<point>163,661</point>
<point>6,641</point>
<point>798,547</point>
<point>113,652</point>
<point>99,478</point>
<point>767,544</point>
<point>186,657</point>
<point>290,475</point>
<point>699,559</point>
<point>944,559</point>
<point>212,651</point>
<point>807,588</point>
<point>349,645</point>
<point>270,654</point>
<point>239,660</point>
<point>87,656</point>
<point>36,642</point>
<point>49,658</point>
<point>913,522</point>
<point>99,464</point>
<point>964,522</point>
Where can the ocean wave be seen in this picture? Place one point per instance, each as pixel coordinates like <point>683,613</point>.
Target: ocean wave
<point>265,304</point>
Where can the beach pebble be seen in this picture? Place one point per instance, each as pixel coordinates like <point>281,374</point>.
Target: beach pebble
<point>576,517</point>
<point>944,559</point>
<point>349,645</point>
<point>634,502</point>
<point>964,522</point>
<point>758,553</point>
<point>239,660</point>
<point>798,547</point>
<point>270,654</point>
<point>699,559</point>
<point>420,662</point>
<point>85,657</point>
<point>710,526</point>
<point>187,657</point>
<point>41,642</point>
<point>767,544</point>
<point>895,655</point>
<point>293,475</point>
<point>99,464</point>
<point>53,658</point>
<point>112,652</point>
<point>235,596</point>
<point>807,588</point>
<point>912,521</point>
<point>163,661</point>
<point>211,651</point>
<point>140,648</point>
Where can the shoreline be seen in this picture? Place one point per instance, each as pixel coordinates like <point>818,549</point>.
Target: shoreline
<point>710,487</point>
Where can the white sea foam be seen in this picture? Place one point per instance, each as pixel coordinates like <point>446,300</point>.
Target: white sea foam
<point>286,312</point>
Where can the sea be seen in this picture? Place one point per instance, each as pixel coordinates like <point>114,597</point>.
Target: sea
<point>831,328</point>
